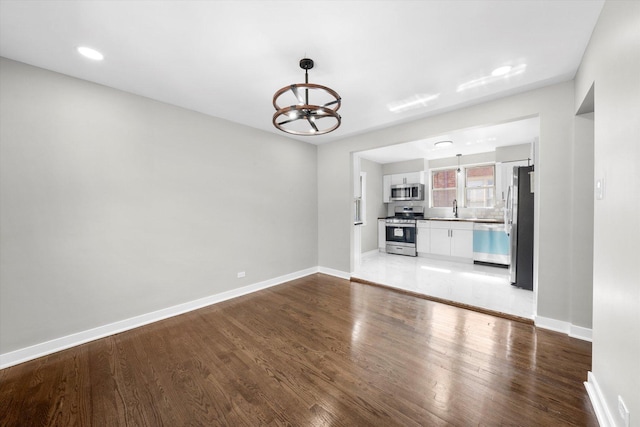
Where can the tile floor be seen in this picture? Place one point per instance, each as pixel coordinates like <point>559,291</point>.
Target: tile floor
<point>477,285</point>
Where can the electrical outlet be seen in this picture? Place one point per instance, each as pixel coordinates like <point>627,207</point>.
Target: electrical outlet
<point>241,274</point>
<point>623,411</point>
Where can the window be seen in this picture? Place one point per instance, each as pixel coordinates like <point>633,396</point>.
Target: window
<point>360,200</point>
<point>480,186</point>
<point>444,186</point>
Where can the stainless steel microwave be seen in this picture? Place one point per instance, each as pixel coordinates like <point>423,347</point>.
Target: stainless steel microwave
<point>405,192</point>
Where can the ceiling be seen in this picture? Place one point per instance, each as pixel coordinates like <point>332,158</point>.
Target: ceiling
<point>227,58</point>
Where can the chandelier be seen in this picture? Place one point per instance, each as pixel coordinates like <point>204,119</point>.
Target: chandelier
<point>301,116</point>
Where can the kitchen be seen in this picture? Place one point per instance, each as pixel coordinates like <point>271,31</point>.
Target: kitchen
<point>436,217</point>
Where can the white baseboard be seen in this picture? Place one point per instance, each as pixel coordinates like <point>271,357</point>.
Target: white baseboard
<point>370,253</point>
<point>552,324</point>
<point>332,272</point>
<point>605,419</point>
<point>584,334</point>
<point>62,343</point>
<point>567,328</point>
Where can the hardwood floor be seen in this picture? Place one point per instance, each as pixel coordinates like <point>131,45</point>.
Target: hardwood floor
<point>315,351</point>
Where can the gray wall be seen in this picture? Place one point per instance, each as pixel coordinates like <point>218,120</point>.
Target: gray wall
<point>375,207</point>
<point>415,165</point>
<point>554,106</point>
<point>469,159</point>
<point>581,222</point>
<point>513,152</point>
<point>114,205</point>
<point>612,63</point>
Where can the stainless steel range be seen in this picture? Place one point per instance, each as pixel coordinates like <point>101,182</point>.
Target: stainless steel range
<point>401,230</point>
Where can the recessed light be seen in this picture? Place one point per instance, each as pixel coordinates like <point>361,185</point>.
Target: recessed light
<point>443,143</point>
<point>501,71</point>
<point>90,53</point>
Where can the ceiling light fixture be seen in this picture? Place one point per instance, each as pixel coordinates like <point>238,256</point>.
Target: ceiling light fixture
<point>90,53</point>
<point>301,117</point>
<point>443,143</point>
<point>458,156</point>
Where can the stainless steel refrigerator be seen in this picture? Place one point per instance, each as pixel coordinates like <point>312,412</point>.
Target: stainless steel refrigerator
<point>519,224</point>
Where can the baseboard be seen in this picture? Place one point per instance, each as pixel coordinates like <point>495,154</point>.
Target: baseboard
<point>567,328</point>
<point>62,343</point>
<point>332,272</point>
<point>605,419</point>
<point>370,253</point>
<point>584,334</point>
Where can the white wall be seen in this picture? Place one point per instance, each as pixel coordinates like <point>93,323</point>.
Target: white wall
<point>407,166</point>
<point>375,206</point>
<point>513,152</point>
<point>612,63</point>
<point>114,205</point>
<point>469,159</point>
<point>553,104</point>
<point>581,222</point>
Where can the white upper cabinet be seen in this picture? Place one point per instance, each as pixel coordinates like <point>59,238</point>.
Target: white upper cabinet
<point>407,178</point>
<point>504,171</point>
<point>399,178</point>
<point>386,188</point>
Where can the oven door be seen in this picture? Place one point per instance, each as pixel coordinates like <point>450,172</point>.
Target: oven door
<point>401,233</point>
<point>401,239</point>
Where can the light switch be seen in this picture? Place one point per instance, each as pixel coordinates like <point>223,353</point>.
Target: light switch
<point>600,189</point>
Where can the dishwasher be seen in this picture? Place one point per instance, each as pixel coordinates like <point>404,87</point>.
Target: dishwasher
<point>491,244</point>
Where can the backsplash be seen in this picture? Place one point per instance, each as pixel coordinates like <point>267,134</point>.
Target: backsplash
<point>497,212</point>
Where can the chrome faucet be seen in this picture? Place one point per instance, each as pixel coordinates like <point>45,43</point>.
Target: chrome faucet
<point>455,208</point>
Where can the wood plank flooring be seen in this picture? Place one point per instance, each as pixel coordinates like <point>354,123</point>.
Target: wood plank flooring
<point>312,352</point>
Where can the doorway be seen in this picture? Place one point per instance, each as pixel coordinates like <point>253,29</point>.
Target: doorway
<point>459,281</point>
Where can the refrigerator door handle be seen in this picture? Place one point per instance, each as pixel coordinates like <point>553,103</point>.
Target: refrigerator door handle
<point>508,213</point>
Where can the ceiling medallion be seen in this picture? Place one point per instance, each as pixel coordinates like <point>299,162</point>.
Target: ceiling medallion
<point>301,116</point>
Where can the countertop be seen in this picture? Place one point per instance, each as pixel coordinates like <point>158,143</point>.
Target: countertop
<point>478,220</point>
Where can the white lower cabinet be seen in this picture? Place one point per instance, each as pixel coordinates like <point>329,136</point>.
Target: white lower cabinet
<point>423,239</point>
<point>382,237</point>
<point>440,240</point>
<point>451,238</point>
<point>462,241</point>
